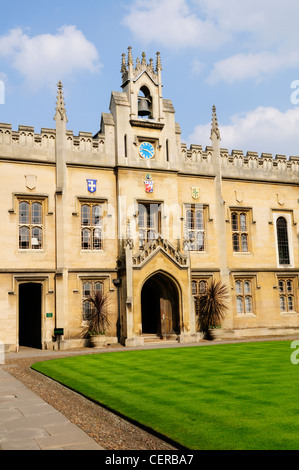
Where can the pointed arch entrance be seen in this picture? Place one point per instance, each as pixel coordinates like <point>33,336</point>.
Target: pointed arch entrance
<point>160,306</point>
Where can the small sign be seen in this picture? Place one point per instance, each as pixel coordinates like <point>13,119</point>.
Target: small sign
<point>58,331</point>
<point>49,315</point>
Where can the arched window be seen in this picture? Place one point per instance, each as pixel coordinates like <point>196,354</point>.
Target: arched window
<point>282,241</point>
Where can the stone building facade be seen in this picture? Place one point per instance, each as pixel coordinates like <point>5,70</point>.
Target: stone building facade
<point>134,213</point>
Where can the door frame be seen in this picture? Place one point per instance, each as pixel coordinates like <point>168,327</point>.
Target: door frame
<point>41,284</point>
<point>176,286</point>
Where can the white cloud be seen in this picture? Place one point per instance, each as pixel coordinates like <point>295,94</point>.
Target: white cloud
<point>171,23</point>
<point>261,130</point>
<point>255,38</point>
<point>46,58</point>
<point>251,66</point>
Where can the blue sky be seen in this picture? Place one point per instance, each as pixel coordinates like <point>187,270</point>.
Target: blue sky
<point>240,56</point>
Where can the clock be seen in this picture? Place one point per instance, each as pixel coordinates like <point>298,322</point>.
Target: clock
<point>146,150</point>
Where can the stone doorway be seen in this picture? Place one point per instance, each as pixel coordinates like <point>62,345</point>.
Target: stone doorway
<point>30,315</point>
<point>160,306</point>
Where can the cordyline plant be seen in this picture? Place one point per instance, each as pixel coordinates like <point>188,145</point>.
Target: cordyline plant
<point>211,307</point>
<point>98,320</point>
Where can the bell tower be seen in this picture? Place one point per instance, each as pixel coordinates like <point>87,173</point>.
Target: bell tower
<point>143,86</point>
<point>146,135</point>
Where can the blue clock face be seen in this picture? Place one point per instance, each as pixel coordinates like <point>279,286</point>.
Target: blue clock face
<point>146,150</point>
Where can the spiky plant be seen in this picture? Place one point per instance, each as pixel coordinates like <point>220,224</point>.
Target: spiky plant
<point>211,307</point>
<point>98,320</point>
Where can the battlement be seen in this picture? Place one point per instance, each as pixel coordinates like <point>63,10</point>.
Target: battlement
<point>26,137</point>
<point>238,164</point>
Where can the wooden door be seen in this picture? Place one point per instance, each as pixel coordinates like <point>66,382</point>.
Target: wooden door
<point>166,317</point>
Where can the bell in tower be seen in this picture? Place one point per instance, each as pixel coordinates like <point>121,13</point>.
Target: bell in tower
<point>144,103</point>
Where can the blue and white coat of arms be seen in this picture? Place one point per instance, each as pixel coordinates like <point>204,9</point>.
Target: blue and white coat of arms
<point>91,185</point>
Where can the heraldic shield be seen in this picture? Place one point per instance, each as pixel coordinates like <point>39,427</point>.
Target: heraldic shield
<point>92,185</point>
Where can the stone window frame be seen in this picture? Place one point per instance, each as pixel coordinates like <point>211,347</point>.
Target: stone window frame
<point>286,292</point>
<point>31,225</point>
<point>92,228</point>
<point>240,233</point>
<point>244,294</point>
<point>195,227</point>
<point>87,307</point>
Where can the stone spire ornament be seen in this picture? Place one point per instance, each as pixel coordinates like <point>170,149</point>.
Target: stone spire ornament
<point>130,57</point>
<point>158,62</point>
<point>123,64</point>
<point>60,107</point>
<point>215,129</point>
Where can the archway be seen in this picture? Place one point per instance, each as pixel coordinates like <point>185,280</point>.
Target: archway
<point>160,306</point>
<point>30,299</point>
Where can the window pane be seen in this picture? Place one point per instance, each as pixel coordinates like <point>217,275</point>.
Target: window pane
<point>87,310</point>
<point>85,239</point>
<point>282,240</point>
<point>236,243</point>
<point>24,238</point>
<point>190,220</point>
<point>194,288</point>
<point>97,239</point>
<point>24,213</point>
<point>247,287</point>
<point>36,213</point>
<point>200,242</point>
<point>98,287</point>
<point>141,215</point>
<point>235,222</point>
<point>87,289</point>
<point>289,286</point>
<point>290,303</point>
<point>151,234</point>
<point>85,215</point>
<point>239,289</point>
<point>243,222</point>
<point>202,287</point>
<point>244,242</point>
<point>248,304</point>
<point>36,239</point>
<point>240,305</point>
<point>96,215</point>
<point>282,303</point>
<point>199,220</point>
<point>281,286</point>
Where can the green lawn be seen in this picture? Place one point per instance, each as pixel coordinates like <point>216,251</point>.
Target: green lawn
<point>219,396</point>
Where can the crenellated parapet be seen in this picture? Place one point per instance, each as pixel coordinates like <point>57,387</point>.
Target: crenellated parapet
<point>26,137</point>
<point>25,142</point>
<point>240,165</point>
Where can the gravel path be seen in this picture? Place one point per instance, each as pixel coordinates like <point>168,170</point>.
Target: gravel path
<point>109,430</point>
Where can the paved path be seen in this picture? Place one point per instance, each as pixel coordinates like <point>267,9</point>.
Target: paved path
<point>29,423</point>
